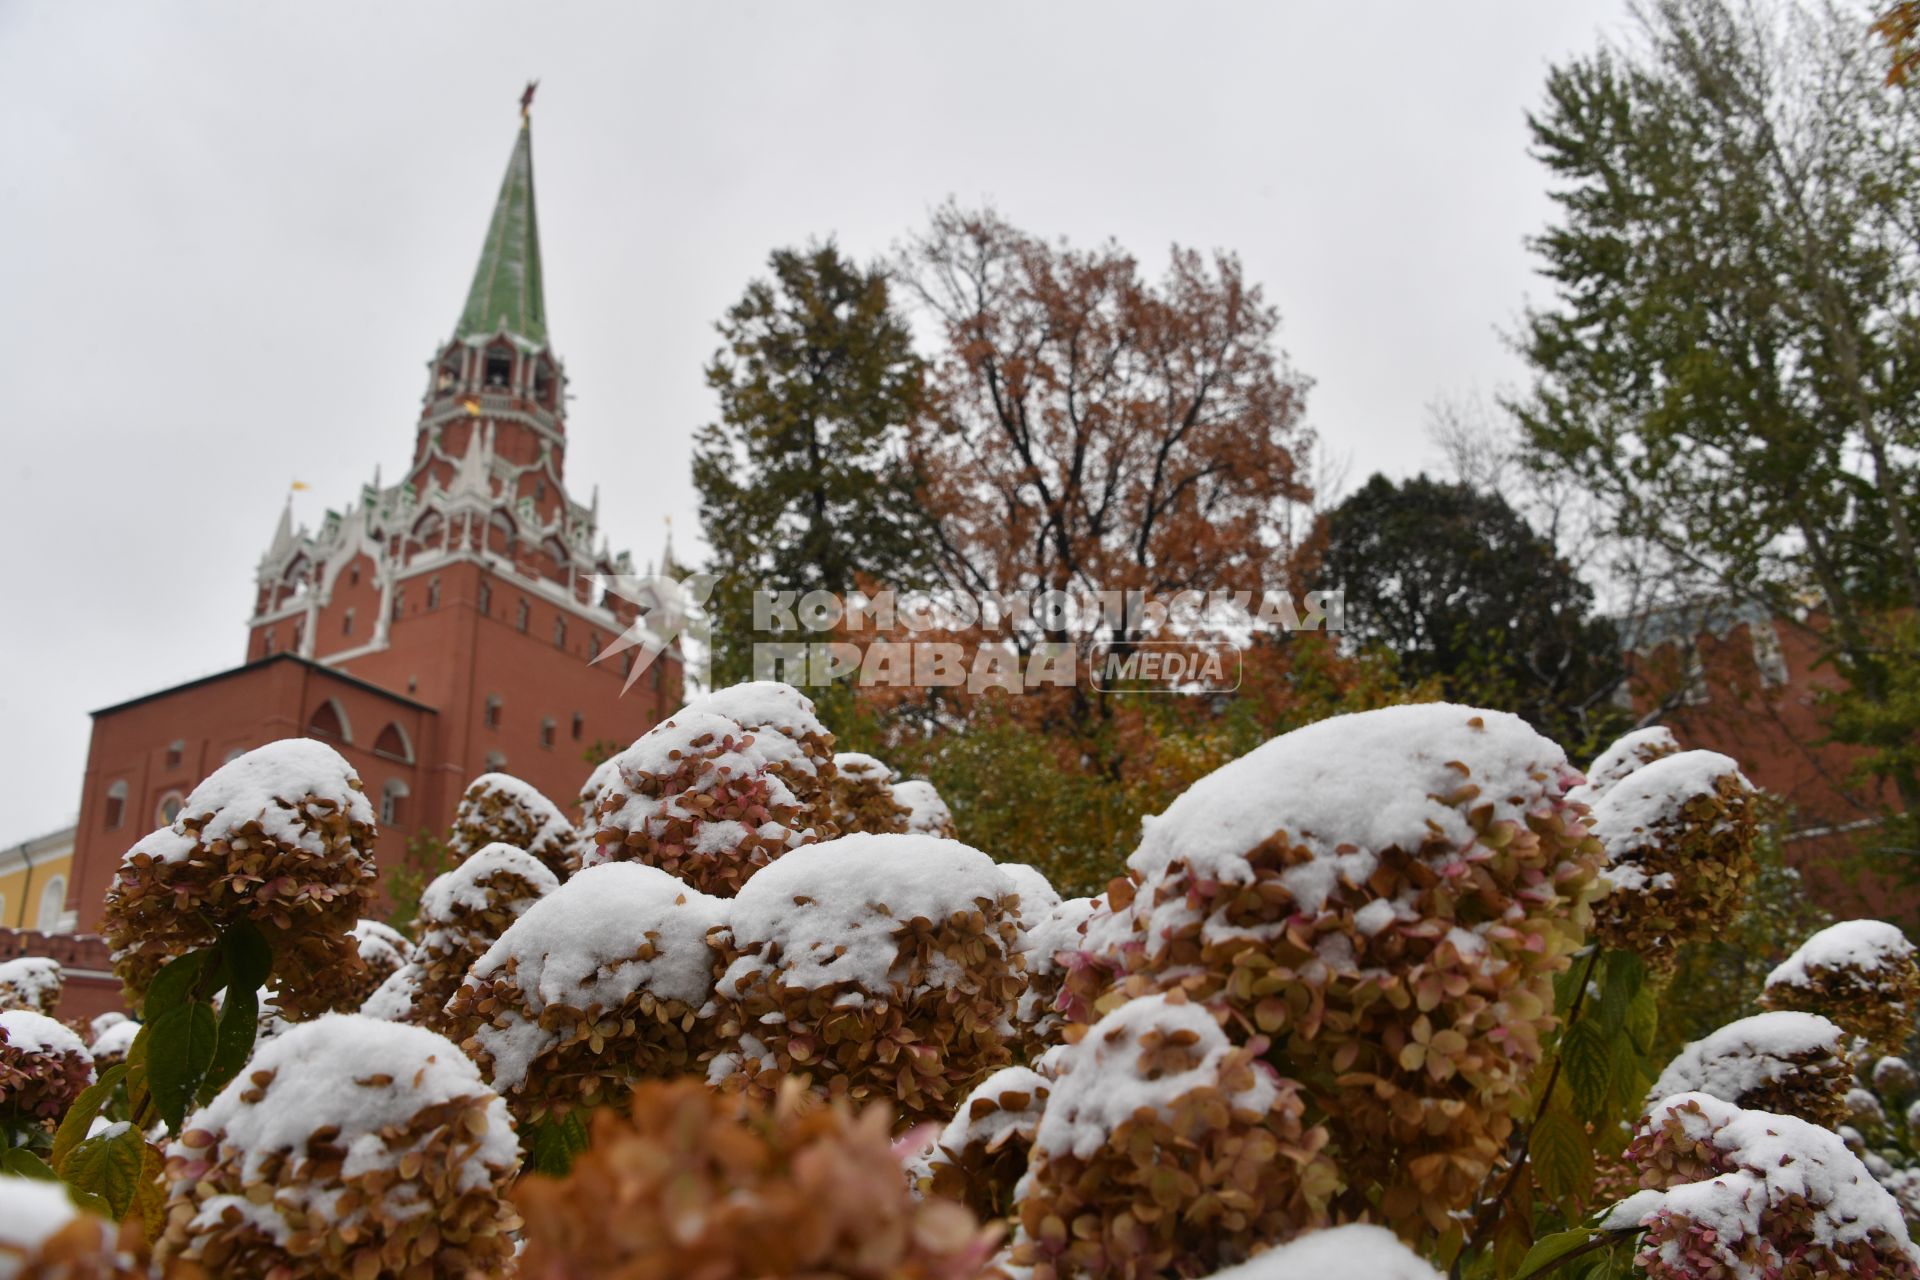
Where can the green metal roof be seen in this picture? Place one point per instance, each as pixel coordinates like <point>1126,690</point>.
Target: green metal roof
<point>506,286</point>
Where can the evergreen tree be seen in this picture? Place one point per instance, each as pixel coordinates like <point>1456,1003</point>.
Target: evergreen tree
<point>1463,591</point>
<point>804,482</point>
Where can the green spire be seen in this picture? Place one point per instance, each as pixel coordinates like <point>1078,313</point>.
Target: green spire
<point>506,286</point>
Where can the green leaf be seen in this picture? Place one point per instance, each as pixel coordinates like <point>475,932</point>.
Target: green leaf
<point>1630,1081</point>
<point>138,1094</point>
<point>233,1040</point>
<point>1550,1249</point>
<point>1588,1061</point>
<point>177,1059</point>
<point>553,1143</point>
<point>1643,1019</point>
<point>74,1125</point>
<point>175,984</point>
<point>1562,1156</point>
<point>24,1163</point>
<point>249,959</point>
<point>1626,974</point>
<point>109,1166</point>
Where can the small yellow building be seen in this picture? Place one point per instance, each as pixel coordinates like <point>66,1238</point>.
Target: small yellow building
<point>35,880</point>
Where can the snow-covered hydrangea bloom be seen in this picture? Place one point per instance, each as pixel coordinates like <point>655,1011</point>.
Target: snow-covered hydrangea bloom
<point>462,913</point>
<point>109,1048</point>
<point>927,813</point>
<point>282,836</point>
<point>1388,896</point>
<point>43,1068</point>
<point>1053,944</point>
<point>1168,1148</point>
<point>1679,835</point>
<point>43,1236</point>
<point>1789,1063</point>
<point>720,789</point>
<point>982,1153</point>
<point>1629,752</point>
<point>718,1185</point>
<point>1860,973</point>
<point>599,984</point>
<point>1744,1195</point>
<point>1358,1250</point>
<point>346,1146</point>
<point>31,982</point>
<point>384,951</point>
<point>499,808</point>
<point>862,796</point>
<point>882,966</point>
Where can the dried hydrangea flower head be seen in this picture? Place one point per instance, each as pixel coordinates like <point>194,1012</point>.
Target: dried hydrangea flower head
<point>1793,1064</point>
<point>1679,836</point>
<point>885,967</point>
<point>598,985</point>
<point>43,1236</point>
<point>1630,752</point>
<point>862,796</point>
<point>1053,944</point>
<point>1164,1148</point>
<point>725,1187</point>
<point>462,913</point>
<point>346,1147</point>
<point>384,951</point>
<point>927,813</point>
<point>1733,1193</point>
<point>1860,973</point>
<point>31,982</point>
<point>1895,1080</point>
<point>499,808</point>
<point>43,1068</point>
<point>713,797</point>
<point>282,836</point>
<point>1387,895</point>
<point>981,1155</point>
<point>109,1048</point>
<point>1358,1250</point>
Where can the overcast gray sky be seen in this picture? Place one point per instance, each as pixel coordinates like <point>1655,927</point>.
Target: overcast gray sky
<point>231,234</point>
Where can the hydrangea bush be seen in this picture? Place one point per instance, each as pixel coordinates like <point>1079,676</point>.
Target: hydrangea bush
<point>499,808</point>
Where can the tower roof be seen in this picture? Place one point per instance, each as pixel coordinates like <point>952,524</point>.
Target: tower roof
<point>507,290</point>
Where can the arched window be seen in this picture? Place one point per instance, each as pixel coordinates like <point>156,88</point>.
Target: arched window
<point>524,617</point>
<point>176,752</point>
<point>53,905</point>
<point>499,368</point>
<point>433,593</point>
<point>560,632</point>
<point>392,743</point>
<point>492,714</point>
<point>391,795</point>
<point>116,805</point>
<point>579,725</point>
<point>168,809</point>
<point>399,602</point>
<point>546,732</point>
<point>330,721</point>
<point>269,642</point>
<point>486,596</point>
<point>346,622</point>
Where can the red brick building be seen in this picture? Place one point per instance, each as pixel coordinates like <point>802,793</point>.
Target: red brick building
<point>434,629</point>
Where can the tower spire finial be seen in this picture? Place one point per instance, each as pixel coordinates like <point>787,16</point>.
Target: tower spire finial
<point>526,99</point>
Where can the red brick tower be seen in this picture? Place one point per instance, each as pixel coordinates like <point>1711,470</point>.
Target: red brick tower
<point>434,629</point>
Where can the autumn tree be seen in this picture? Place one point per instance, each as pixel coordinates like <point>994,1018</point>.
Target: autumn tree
<point>1732,354</point>
<point>1464,591</point>
<point>1089,430</point>
<point>804,480</point>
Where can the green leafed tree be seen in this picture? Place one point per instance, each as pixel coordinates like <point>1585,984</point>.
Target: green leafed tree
<point>804,482</point>
<point>1464,592</point>
<point>1732,354</point>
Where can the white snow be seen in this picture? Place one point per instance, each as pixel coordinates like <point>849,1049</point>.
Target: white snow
<point>762,704</point>
<point>34,977</point>
<point>927,813</point>
<point>102,1021</point>
<point>1622,758</point>
<point>367,1077</point>
<point>1748,1054</point>
<point>1038,897</point>
<point>381,943</point>
<point>1774,1157</point>
<point>31,1210</point>
<point>1356,1251</point>
<point>575,947</point>
<point>464,886</point>
<point>1862,945</point>
<point>856,764</point>
<point>115,1040</point>
<point>826,913</point>
<point>1101,1081</point>
<point>392,1000</point>
<point>992,1130</point>
<point>264,785</point>
<point>33,1032</point>
<point>534,809</point>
